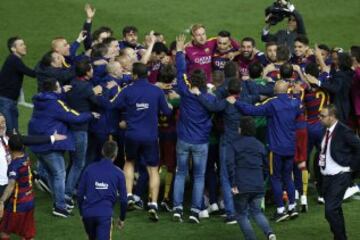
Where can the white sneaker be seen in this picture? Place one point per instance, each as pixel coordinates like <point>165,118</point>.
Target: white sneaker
<point>351,191</point>
<point>272,236</point>
<point>213,208</point>
<point>321,200</point>
<point>204,214</point>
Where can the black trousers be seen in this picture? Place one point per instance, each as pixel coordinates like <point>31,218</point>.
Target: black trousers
<point>334,188</point>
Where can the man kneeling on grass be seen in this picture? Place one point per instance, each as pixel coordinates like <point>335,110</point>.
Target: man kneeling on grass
<point>100,185</point>
<point>18,216</point>
<point>245,160</point>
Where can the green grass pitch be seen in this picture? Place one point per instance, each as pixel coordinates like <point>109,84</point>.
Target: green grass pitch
<point>333,22</point>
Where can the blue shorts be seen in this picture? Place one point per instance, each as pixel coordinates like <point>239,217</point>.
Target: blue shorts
<point>145,151</point>
<point>98,228</point>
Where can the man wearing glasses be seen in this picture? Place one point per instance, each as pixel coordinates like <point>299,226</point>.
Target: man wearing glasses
<point>339,157</point>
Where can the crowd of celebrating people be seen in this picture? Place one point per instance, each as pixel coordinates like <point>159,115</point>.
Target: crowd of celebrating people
<point>242,123</point>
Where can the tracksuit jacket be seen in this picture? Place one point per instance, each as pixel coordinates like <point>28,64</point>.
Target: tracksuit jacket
<point>281,113</point>
<point>50,114</point>
<point>194,124</point>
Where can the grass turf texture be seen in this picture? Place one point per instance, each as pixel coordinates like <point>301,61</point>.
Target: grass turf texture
<point>332,22</point>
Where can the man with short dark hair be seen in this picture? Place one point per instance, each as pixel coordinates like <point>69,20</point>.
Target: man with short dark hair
<point>130,38</point>
<point>11,79</point>
<point>302,54</point>
<point>248,55</point>
<point>270,52</point>
<point>340,155</point>
<point>101,184</point>
<point>50,114</point>
<point>81,98</point>
<point>51,66</point>
<point>295,26</point>
<point>224,51</point>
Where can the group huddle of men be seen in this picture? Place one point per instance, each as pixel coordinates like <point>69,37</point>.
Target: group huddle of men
<point>185,107</point>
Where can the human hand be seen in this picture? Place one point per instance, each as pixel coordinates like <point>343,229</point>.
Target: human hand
<point>180,42</point>
<point>58,137</point>
<point>111,84</point>
<point>235,190</point>
<point>195,91</point>
<point>311,79</point>
<point>95,115</point>
<point>90,12</point>
<point>173,95</point>
<point>122,124</point>
<point>150,39</point>
<point>82,36</point>
<point>67,88</point>
<point>97,90</point>
<point>296,68</point>
<point>231,99</point>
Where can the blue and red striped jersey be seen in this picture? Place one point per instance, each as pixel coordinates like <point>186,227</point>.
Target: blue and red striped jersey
<point>315,99</point>
<point>22,198</point>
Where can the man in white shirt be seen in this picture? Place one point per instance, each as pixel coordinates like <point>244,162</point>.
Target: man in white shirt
<point>339,157</point>
<point>4,155</point>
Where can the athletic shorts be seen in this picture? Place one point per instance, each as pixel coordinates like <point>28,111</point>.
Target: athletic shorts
<point>147,151</point>
<point>19,223</point>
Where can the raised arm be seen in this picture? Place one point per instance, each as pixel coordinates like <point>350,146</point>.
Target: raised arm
<point>181,64</point>
<point>90,13</point>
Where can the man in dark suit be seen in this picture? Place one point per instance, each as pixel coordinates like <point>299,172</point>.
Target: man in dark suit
<point>339,157</point>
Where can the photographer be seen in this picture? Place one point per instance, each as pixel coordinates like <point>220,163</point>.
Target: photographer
<point>277,12</point>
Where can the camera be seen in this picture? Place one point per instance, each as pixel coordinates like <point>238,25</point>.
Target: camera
<point>278,11</point>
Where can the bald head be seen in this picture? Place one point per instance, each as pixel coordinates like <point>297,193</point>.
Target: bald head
<point>281,87</point>
<point>61,46</point>
<point>114,69</point>
<point>125,62</point>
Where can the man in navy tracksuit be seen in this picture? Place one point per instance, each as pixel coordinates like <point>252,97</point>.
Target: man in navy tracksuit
<point>281,112</point>
<point>246,160</point>
<point>108,124</point>
<point>100,185</point>
<point>142,102</point>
